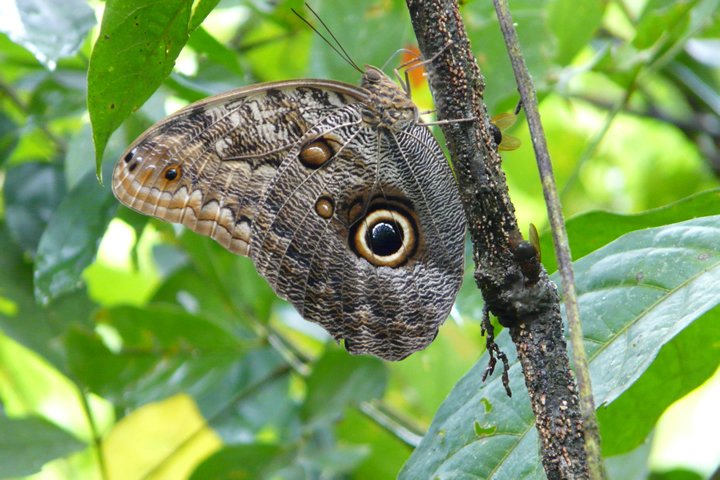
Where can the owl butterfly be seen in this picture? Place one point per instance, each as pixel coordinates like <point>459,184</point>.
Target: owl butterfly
<point>340,196</point>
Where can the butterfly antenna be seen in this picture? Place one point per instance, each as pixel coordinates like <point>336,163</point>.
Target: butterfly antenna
<point>341,51</point>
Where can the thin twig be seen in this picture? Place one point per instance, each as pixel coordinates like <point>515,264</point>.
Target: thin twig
<point>96,437</point>
<point>562,248</point>
<point>378,413</point>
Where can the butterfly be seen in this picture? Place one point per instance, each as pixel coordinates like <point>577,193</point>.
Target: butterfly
<point>341,197</point>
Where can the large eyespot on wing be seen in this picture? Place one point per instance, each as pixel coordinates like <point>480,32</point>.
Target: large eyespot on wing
<point>207,165</point>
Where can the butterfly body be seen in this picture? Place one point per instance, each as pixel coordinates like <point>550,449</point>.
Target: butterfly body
<point>345,204</point>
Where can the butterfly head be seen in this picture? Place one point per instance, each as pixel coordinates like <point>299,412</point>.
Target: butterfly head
<point>389,106</point>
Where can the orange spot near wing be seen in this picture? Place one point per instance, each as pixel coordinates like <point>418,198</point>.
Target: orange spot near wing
<point>416,74</point>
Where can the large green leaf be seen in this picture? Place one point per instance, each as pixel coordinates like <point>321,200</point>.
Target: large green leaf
<point>50,30</point>
<point>70,242</point>
<point>339,380</point>
<point>589,231</point>
<point>138,43</point>
<point>40,329</point>
<point>681,366</point>
<point>635,295</point>
<point>550,33</point>
<point>33,191</point>
<point>639,292</point>
<point>26,444</point>
<point>239,461</point>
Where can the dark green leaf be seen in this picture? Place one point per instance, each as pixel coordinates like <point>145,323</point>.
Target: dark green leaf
<point>388,452</point>
<point>23,320</point>
<point>339,380</point>
<point>50,30</point>
<point>138,43</point>
<point>234,277</point>
<point>8,137</point>
<point>677,474</point>
<point>32,193</point>
<point>72,238</point>
<point>635,295</point>
<point>59,95</point>
<point>239,461</point>
<point>27,444</point>
<point>547,38</point>
<point>589,231</point>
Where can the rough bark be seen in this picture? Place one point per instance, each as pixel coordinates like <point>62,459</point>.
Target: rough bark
<point>514,285</point>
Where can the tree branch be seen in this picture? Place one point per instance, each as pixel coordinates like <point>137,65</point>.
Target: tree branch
<point>515,286</point>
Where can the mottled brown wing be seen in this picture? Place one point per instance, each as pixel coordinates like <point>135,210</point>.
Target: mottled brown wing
<point>312,238</point>
<point>359,227</point>
<point>207,165</point>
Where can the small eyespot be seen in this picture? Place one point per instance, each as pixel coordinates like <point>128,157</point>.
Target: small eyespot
<point>172,173</point>
<point>130,155</point>
<point>133,166</point>
<point>315,154</point>
<point>324,207</point>
<point>387,236</point>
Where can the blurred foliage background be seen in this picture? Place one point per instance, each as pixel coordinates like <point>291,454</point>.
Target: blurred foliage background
<point>131,348</point>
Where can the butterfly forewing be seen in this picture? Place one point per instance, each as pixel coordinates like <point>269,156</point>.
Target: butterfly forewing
<point>207,165</point>
<point>351,215</point>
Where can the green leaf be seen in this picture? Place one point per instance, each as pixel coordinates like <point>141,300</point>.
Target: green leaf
<point>138,43</point>
<point>640,291</point>
<point>27,444</point>
<point>72,238</point>
<point>59,95</point>
<point>162,351</point>
<point>32,193</point>
<point>50,30</point>
<point>239,285</point>
<point>155,342</point>
<point>339,380</point>
<point>370,33</point>
<point>238,461</point>
<point>589,231</point>
<point>39,329</point>
<point>452,446</point>
<point>550,33</point>
<point>9,135</point>
<point>201,9</point>
<point>681,366</point>
<point>387,454</point>
<point>635,295</point>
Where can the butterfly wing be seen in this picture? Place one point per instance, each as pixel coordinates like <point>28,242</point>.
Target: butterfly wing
<point>289,175</point>
<point>385,296</point>
<point>207,165</point>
